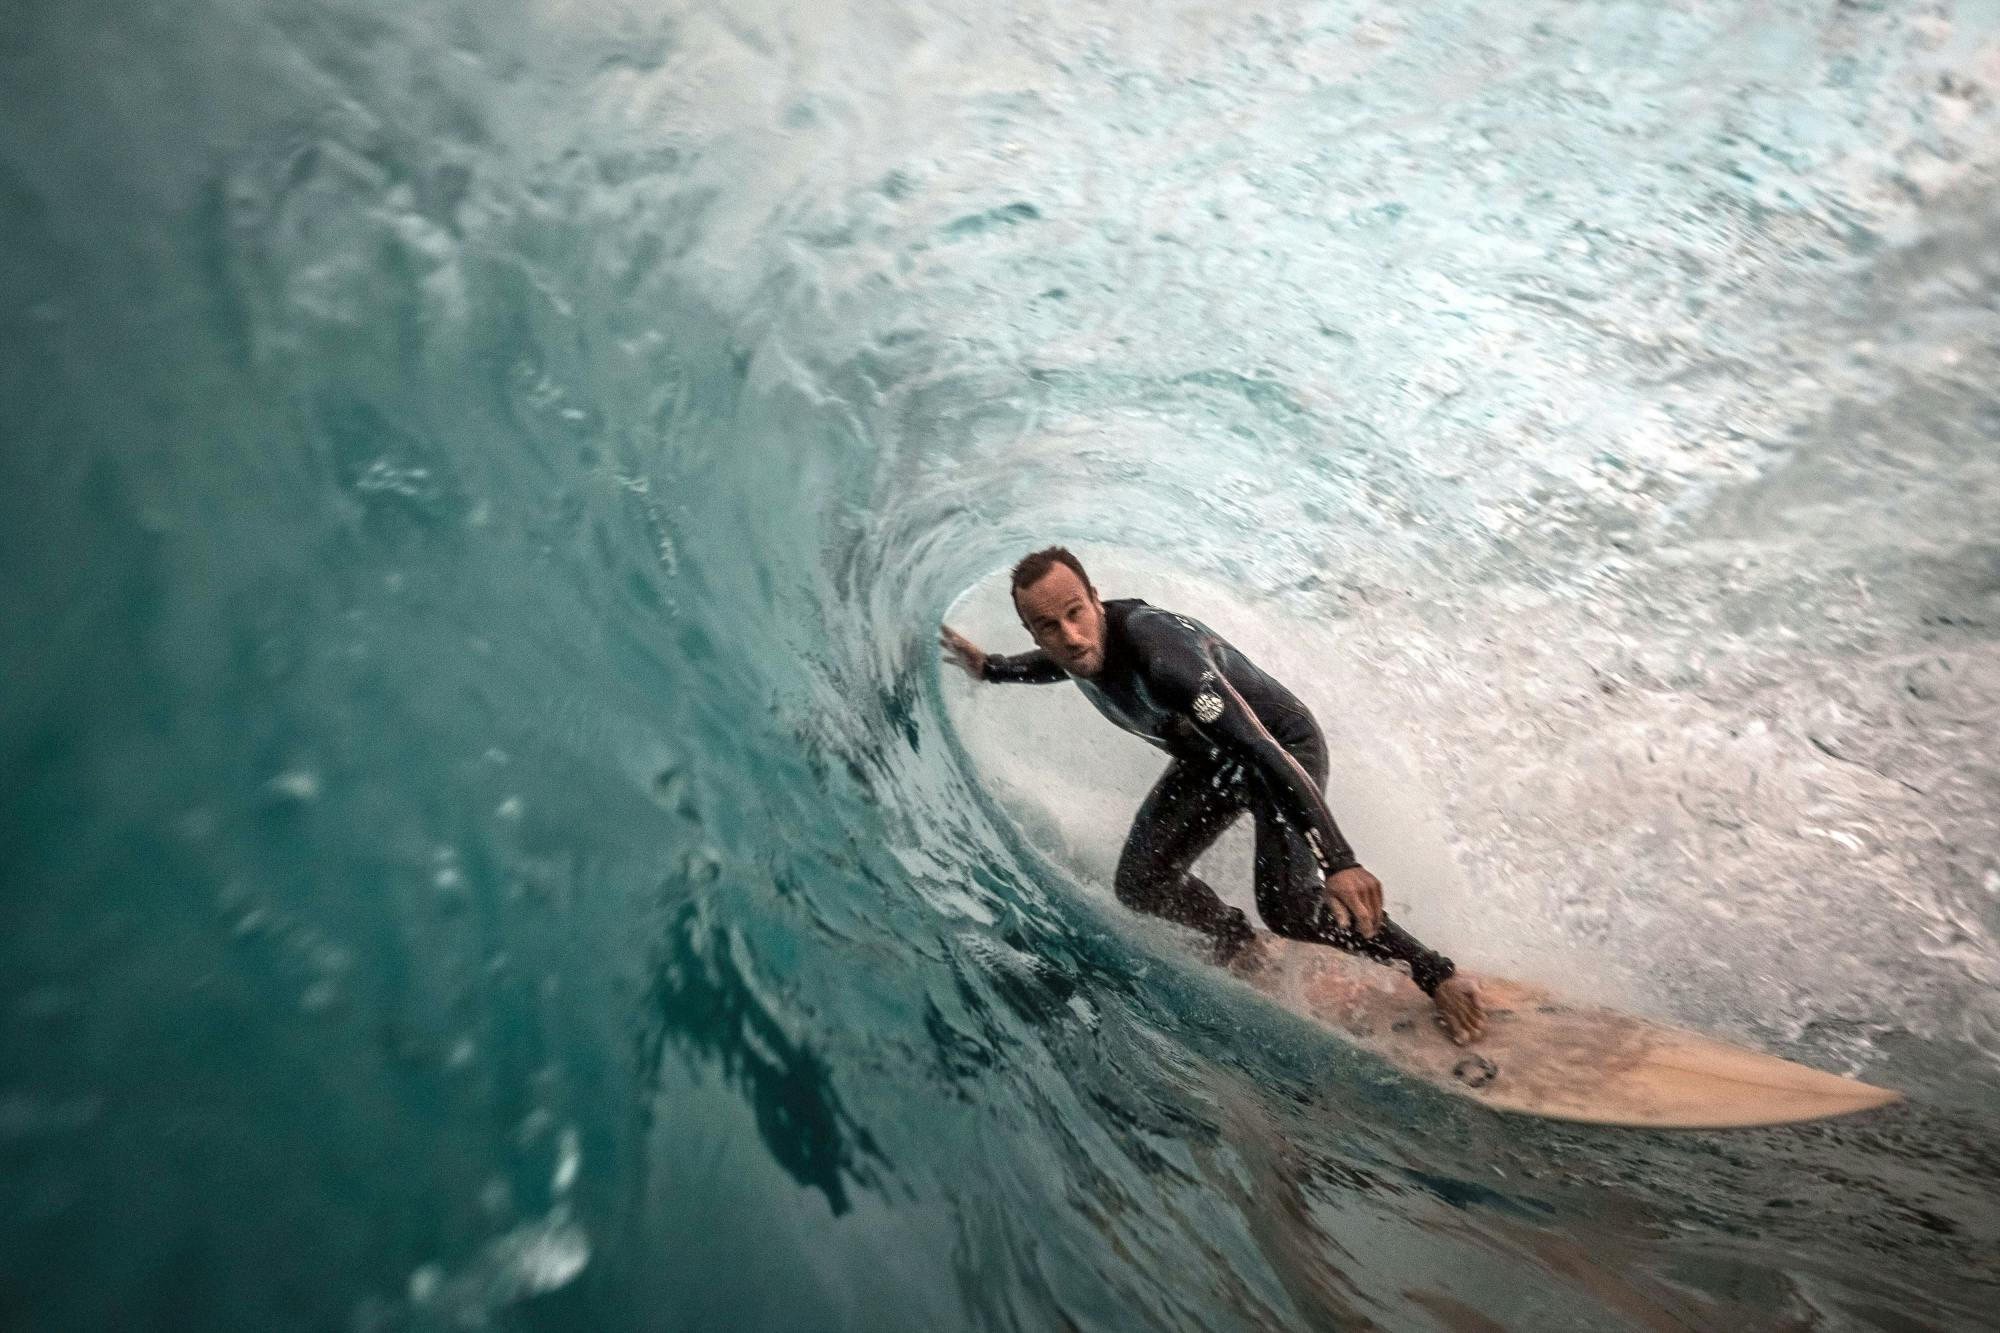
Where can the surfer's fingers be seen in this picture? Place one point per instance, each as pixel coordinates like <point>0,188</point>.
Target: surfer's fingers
<point>1372,900</point>
<point>1460,1012</point>
<point>959,649</point>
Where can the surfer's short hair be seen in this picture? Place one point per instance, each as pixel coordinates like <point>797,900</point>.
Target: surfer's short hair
<point>1032,567</point>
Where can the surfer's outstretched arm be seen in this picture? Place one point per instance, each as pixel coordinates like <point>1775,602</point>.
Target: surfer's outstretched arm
<point>1035,668</point>
<point>1030,668</point>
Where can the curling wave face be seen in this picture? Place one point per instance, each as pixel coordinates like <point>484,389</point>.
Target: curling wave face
<point>483,838</point>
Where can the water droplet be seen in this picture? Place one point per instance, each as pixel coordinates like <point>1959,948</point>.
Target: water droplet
<point>298,784</point>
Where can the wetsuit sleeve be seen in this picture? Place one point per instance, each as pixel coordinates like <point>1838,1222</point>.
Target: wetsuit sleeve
<point>1031,668</point>
<point>1188,680</point>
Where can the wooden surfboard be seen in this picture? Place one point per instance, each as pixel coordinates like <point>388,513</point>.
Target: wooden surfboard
<point>1545,1056</point>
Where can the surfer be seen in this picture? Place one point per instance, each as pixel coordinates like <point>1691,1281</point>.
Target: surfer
<point>1239,741</point>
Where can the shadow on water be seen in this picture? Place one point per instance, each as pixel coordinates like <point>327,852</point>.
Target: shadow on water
<point>705,1001</point>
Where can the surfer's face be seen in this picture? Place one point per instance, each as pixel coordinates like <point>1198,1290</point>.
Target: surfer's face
<point>1066,619</point>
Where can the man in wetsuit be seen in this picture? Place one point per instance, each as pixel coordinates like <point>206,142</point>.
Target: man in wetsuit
<point>1240,741</point>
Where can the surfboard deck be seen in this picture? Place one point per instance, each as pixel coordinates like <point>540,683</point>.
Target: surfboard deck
<point>1545,1056</point>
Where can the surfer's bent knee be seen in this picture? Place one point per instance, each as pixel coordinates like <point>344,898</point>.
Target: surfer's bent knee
<point>1136,886</point>
<point>1296,926</point>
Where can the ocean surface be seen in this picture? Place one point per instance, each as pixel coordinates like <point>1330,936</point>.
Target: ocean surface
<point>485,837</point>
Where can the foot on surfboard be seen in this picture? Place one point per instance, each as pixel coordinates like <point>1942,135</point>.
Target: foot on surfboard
<point>1247,959</point>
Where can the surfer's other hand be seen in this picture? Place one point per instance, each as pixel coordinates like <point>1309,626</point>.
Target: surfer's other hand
<point>960,651</point>
<point>1356,898</point>
<point>1459,1009</point>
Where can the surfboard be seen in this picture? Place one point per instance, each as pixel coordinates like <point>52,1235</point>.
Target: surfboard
<point>1544,1056</point>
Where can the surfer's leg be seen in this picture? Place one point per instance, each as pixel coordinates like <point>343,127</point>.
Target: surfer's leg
<point>1184,814</point>
<point>1291,893</point>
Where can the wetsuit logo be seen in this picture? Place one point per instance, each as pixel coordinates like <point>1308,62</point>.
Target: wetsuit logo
<point>1207,706</point>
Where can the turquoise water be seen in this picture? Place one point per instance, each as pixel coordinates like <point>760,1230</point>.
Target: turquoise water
<point>484,840</point>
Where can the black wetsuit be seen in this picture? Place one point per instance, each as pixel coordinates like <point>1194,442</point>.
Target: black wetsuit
<point>1240,741</point>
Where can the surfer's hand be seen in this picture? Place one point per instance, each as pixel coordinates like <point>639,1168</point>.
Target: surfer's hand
<point>1459,1009</point>
<point>960,651</point>
<point>1356,898</point>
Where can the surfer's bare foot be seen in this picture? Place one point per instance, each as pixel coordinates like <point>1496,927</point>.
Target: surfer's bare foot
<point>1459,1010</point>
<point>1251,957</point>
